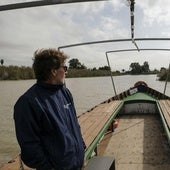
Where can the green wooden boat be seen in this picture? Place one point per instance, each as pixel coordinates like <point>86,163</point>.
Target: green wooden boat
<point>131,130</point>
<point>141,139</point>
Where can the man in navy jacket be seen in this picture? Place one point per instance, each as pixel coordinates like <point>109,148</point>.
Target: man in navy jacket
<point>46,124</point>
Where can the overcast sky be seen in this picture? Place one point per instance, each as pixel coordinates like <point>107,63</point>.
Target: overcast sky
<point>23,31</point>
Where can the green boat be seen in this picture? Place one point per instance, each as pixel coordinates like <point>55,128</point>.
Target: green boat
<point>141,140</point>
<point>128,131</point>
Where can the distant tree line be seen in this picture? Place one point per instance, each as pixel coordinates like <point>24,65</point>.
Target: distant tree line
<point>76,64</point>
<point>136,68</point>
<point>164,74</point>
<point>77,69</point>
<point>16,73</point>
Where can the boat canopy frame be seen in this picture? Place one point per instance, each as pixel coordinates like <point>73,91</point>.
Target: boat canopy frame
<point>40,3</point>
<point>131,3</point>
<point>112,40</point>
<point>141,49</point>
<point>123,50</point>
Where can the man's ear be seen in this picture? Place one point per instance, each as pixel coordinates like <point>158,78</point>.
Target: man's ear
<point>53,72</point>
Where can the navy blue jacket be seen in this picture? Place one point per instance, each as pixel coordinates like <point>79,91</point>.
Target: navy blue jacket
<point>47,129</point>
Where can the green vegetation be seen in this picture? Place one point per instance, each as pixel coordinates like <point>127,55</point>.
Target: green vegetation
<point>75,64</point>
<point>89,73</point>
<point>23,73</point>
<point>136,68</point>
<point>76,69</point>
<point>164,74</point>
<point>16,73</point>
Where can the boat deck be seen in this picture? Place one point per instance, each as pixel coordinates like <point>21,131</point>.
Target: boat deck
<point>92,123</point>
<point>165,107</point>
<point>139,143</point>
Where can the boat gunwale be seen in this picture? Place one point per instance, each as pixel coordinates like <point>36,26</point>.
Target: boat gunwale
<point>164,122</point>
<point>97,139</point>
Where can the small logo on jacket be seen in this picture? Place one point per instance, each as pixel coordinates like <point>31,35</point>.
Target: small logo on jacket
<point>66,106</point>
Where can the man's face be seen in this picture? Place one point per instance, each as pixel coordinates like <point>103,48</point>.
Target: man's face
<point>60,74</point>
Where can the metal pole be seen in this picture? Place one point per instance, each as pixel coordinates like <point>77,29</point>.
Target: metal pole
<point>141,49</point>
<point>113,40</point>
<point>39,3</point>
<point>166,79</point>
<point>111,74</point>
<point>133,41</point>
<point>132,7</point>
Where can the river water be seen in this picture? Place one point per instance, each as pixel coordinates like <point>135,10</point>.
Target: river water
<point>87,92</point>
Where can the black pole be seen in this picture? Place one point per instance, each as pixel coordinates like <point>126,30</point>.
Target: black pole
<point>40,3</point>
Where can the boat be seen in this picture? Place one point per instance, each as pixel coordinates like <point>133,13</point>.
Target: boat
<point>130,130</point>
<point>140,139</point>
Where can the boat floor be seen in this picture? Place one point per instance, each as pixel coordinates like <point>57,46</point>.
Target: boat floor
<point>138,143</point>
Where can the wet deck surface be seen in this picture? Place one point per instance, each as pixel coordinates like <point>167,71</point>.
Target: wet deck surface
<point>139,143</point>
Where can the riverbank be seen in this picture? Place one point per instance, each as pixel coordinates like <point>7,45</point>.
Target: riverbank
<point>26,73</point>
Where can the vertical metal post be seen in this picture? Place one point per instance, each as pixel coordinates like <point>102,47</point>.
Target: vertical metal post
<point>111,74</point>
<point>167,79</point>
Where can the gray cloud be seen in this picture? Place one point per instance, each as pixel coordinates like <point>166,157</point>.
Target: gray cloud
<point>25,30</point>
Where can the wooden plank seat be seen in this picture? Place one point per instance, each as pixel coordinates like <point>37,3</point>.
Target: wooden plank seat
<point>165,107</point>
<point>96,122</point>
<point>101,163</point>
